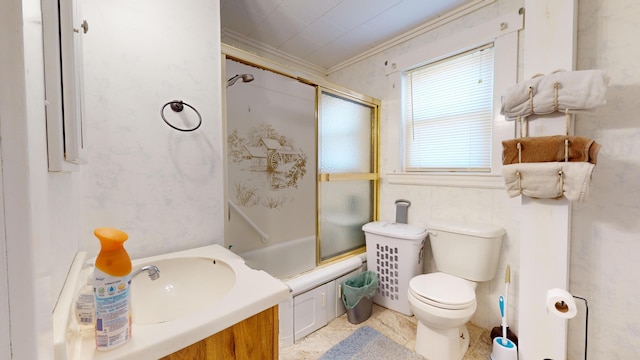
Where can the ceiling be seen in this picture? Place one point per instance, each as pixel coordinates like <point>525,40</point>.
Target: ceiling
<point>325,33</point>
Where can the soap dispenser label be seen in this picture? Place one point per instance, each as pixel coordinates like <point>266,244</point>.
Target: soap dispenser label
<point>113,320</point>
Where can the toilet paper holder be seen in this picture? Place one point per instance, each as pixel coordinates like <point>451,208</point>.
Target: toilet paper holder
<point>563,308</point>
<point>586,323</point>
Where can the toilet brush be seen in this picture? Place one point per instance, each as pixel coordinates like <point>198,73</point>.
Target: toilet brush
<point>503,348</point>
<point>503,330</point>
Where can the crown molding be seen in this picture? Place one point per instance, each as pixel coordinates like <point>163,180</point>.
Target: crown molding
<point>413,33</point>
<point>242,42</point>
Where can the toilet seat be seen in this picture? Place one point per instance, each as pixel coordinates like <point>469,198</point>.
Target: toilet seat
<point>443,290</point>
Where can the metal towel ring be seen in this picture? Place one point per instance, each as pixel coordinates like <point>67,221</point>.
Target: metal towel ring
<point>178,106</point>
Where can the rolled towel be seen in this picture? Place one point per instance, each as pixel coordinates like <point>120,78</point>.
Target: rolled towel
<point>577,91</point>
<point>548,180</point>
<point>549,149</point>
<point>517,96</point>
<point>577,178</point>
<point>536,180</point>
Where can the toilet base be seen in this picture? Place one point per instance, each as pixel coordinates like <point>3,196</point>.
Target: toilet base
<point>442,344</point>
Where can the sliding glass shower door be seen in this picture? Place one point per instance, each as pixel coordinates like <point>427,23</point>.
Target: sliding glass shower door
<point>271,182</point>
<point>347,172</point>
<point>301,170</point>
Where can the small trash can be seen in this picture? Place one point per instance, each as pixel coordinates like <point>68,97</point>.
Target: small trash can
<point>357,295</point>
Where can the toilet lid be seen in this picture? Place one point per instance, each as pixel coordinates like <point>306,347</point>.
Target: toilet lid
<point>443,290</point>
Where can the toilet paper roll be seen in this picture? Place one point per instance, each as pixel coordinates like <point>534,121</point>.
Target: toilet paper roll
<point>561,303</point>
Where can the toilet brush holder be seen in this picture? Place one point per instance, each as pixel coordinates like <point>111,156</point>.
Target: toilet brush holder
<point>504,349</point>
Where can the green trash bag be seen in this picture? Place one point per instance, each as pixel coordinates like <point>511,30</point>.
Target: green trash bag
<point>355,288</point>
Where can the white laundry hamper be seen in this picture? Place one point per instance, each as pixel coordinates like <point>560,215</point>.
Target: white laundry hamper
<point>395,253</point>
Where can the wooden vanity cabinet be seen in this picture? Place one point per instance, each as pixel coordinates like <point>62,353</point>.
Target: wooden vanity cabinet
<point>253,338</point>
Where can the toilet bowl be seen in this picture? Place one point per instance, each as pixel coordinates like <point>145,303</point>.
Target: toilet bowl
<point>444,301</point>
<point>443,304</point>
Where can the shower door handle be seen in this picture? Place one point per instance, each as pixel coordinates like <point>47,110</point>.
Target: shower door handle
<point>346,177</point>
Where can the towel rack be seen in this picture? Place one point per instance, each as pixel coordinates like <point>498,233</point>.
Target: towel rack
<point>568,166</point>
<point>178,106</point>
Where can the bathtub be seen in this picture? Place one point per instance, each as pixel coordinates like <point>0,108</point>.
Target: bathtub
<point>284,260</point>
<point>315,291</point>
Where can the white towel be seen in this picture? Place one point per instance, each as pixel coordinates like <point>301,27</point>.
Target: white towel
<point>549,180</point>
<point>577,91</point>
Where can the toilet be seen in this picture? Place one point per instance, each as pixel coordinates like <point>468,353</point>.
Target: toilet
<point>444,301</point>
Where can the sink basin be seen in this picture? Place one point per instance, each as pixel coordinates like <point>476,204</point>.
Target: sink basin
<point>186,286</point>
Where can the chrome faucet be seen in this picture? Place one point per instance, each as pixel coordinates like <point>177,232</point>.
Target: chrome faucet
<point>154,272</point>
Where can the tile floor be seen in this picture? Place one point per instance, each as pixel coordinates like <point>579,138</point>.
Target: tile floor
<point>396,326</point>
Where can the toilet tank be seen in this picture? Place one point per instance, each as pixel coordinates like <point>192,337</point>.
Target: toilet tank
<point>467,250</point>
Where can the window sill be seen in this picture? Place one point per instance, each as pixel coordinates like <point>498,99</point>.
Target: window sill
<point>483,181</point>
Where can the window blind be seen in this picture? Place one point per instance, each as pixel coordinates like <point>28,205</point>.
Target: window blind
<point>448,113</point>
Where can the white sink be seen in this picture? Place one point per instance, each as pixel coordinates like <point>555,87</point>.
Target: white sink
<point>187,285</point>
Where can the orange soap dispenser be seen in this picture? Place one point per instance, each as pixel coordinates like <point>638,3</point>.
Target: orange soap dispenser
<point>111,288</point>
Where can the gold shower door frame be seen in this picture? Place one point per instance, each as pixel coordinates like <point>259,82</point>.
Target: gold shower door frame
<point>328,177</point>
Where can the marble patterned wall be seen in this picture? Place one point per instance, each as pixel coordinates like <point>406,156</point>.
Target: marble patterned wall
<point>604,240</point>
<point>162,186</point>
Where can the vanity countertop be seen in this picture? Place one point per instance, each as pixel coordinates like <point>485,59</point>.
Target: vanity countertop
<point>253,292</point>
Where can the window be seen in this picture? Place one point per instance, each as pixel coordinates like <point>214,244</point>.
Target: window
<point>448,112</point>
<point>503,33</point>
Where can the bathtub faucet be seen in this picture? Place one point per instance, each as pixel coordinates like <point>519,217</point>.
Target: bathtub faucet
<point>154,272</point>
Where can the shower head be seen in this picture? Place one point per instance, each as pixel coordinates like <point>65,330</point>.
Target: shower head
<point>244,77</point>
